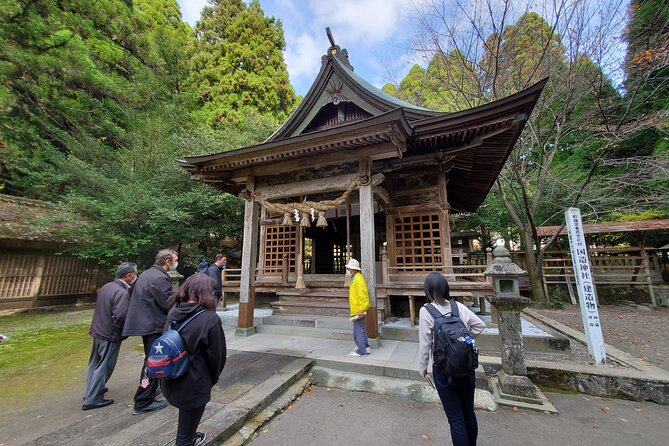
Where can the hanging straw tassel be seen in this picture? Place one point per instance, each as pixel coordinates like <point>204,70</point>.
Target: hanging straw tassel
<point>286,219</point>
<point>305,223</point>
<point>322,222</point>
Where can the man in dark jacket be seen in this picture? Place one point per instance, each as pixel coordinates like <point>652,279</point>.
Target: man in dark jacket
<point>214,271</point>
<point>111,307</point>
<point>146,317</point>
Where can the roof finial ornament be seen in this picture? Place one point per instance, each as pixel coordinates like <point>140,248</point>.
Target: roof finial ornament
<point>336,51</point>
<point>330,37</point>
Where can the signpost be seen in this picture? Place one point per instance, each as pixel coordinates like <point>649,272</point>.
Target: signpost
<point>585,286</point>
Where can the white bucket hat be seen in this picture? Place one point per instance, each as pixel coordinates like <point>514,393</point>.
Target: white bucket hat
<point>353,264</point>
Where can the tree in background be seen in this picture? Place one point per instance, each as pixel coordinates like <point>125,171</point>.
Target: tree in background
<point>570,146</point>
<point>95,109</point>
<point>448,84</point>
<point>238,64</point>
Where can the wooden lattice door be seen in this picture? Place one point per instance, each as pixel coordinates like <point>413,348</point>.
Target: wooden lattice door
<point>418,241</point>
<point>279,240</point>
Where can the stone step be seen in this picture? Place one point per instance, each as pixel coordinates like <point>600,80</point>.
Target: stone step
<point>486,342</point>
<point>315,292</point>
<point>340,334</point>
<point>313,298</point>
<point>308,321</point>
<point>318,308</point>
<point>249,383</point>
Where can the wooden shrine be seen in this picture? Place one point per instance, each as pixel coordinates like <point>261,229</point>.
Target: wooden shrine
<point>355,172</point>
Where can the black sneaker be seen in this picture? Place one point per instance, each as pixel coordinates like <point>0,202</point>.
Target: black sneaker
<point>199,439</point>
<point>155,405</point>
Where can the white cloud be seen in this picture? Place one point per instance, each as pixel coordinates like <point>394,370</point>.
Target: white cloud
<point>365,22</point>
<point>303,59</point>
<point>190,10</point>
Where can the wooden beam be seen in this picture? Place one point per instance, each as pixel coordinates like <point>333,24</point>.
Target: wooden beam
<point>320,185</point>
<point>375,152</point>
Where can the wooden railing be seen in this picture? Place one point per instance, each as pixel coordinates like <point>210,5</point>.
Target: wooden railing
<point>610,267</point>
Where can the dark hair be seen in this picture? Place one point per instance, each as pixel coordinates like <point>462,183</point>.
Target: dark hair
<point>125,268</point>
<point>199,286</point>
<point>218,257</point>
<point>436,288</point>
<point>164,255</point>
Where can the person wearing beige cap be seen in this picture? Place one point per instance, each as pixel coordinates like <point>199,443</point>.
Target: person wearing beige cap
<point>358,299</point>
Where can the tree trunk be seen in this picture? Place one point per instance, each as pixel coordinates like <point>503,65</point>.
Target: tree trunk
<point>534,271</point>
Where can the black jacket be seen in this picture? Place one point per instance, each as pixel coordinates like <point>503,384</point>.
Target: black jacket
<point>214,272</point>
<point>205,342</point>
<point>148,304</point>
<point>111,307</point>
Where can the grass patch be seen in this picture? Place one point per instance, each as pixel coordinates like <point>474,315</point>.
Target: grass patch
<point>44,352</point>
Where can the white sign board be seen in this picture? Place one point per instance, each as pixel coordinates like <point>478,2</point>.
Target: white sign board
<point>585,285</point>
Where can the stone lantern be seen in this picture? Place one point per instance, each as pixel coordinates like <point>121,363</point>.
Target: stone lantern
<point>512,382</point>
<point>175,277</point>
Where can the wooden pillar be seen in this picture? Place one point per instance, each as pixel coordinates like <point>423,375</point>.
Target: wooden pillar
<point>446,250</point>
<point>367,258</point>
<point>649,280</point>
<point>248,264</point>
<point>299,263</point>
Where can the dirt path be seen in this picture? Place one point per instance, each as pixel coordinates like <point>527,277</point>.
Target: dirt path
<point>642,332</point>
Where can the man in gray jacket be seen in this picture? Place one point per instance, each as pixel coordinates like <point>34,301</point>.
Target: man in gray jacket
<point>111,307</point>
<point>146,318</point>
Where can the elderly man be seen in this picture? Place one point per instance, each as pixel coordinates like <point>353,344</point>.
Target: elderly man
<point>146,318</point>
<point>111,307</point>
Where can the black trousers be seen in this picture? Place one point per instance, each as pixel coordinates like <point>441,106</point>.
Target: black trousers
<point>188,421</point>
<point>144,396</point>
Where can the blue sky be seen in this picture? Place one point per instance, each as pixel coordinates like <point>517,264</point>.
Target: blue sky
<point>368,29</point>
<point>378,34</point>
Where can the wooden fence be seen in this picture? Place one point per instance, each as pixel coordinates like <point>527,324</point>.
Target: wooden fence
<point>27,279</point>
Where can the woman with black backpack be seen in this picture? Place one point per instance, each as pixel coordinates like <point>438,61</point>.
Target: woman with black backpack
<point>456,391</point>
<point>205,342</point>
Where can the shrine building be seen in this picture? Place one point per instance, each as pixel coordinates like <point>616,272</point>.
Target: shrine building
<point>355,172</point>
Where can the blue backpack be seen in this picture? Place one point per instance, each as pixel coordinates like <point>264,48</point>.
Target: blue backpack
<point>454,352</point>
<point>202,267</point>
<point>168,358</point>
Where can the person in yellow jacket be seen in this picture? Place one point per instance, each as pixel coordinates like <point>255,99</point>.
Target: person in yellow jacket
<point>358,299</point>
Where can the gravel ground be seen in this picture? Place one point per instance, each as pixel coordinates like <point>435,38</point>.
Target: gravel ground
<point>640,331</point>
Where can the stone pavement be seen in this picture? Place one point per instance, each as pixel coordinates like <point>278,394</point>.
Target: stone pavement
<point>265,371</point>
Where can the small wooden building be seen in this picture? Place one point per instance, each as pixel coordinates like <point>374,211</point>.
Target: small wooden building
<point>356,172</point>
<point>32,273</point>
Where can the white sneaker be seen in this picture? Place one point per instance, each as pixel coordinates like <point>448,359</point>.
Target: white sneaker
<point>368,350</point>
<point>354,353</point>
<point>199,439</point>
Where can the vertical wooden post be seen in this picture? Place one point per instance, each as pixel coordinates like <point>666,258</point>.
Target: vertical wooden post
<point>248,264</point>
<point>649,279</point>
<point>446,250</point>
<point>223,292</point>
<point>367,245</point>
<point>285,269</point>
<point>299,264</point>
<point>263,240</point>
<point>348,255</point>
<point>37,281</point>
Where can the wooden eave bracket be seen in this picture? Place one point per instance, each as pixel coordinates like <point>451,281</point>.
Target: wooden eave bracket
<point>398,138</point>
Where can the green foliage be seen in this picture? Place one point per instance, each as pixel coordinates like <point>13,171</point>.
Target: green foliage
<point>238,64</point>
<point>448,84</point>
<point>646,63</point>
<point>96,107</point>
